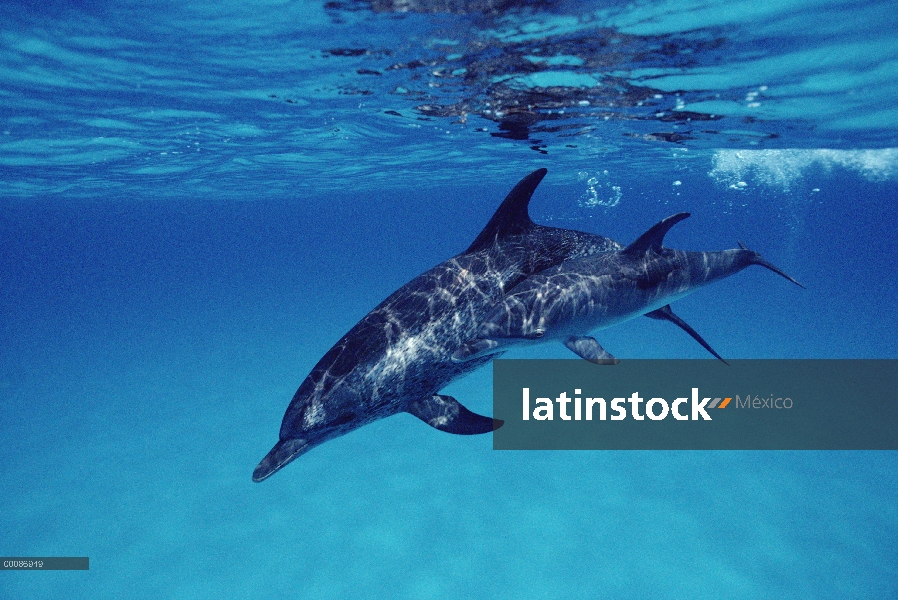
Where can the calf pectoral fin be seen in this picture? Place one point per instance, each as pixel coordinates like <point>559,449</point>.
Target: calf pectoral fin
<point>588,348</point>
<point>666,314</point>
<point>447,414</point>
<point>473,349</point>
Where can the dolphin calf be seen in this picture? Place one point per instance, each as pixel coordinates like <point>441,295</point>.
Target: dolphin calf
<point>398,357</point>
<point>584,294</point>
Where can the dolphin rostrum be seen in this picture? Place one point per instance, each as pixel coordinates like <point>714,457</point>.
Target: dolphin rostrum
<point>398,357</point>
<point>585,294</point>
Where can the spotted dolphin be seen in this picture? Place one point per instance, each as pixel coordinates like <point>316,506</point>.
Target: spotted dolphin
<point>399,356</point>
<point>585,294</point>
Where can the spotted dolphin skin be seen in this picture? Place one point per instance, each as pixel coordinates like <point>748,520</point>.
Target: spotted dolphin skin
<point>585,294</point>
<point>398,357</point>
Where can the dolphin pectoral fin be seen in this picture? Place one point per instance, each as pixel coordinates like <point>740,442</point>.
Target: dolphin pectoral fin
<point>666,314</point>
<point>757,260</point>
<point>588,348</point>
<point>474,349</point>
<point>447,414</point>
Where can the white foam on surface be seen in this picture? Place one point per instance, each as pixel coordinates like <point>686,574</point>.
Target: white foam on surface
<point>781,168</point>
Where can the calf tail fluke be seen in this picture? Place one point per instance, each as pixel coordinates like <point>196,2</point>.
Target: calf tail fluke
<point>757,260</point>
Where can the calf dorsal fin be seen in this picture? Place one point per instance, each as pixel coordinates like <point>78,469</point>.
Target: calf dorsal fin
<point>652,239</point>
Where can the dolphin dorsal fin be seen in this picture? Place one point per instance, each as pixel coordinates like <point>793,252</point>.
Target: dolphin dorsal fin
<point>512,216</point>
<point>651,239</point>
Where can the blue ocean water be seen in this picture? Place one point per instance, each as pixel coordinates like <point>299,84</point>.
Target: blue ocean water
<point>197,199</point>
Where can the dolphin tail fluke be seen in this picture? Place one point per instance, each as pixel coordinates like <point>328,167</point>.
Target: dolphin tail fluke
<point>666,314</point>
<point>447,414</point>
<point>282,453</point>
<point>757,260</point>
